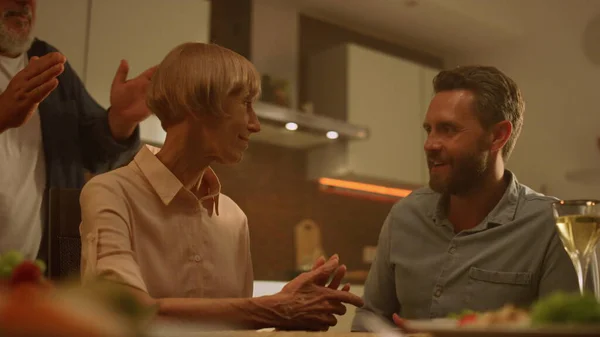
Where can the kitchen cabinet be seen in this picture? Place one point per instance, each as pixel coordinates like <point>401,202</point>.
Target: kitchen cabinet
<point>142,32</point>
<point>385,93</point>
<point>68,36</point>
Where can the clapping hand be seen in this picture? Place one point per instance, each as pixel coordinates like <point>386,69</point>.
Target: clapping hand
<point>28,88</point>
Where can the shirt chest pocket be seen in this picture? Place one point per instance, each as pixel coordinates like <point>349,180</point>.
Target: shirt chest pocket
<point>490,290</point>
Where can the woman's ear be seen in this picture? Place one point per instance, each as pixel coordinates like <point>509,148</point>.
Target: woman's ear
<point>193,115</point>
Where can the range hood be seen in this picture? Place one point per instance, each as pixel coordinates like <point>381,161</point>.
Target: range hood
<point>585,176</point>
<point>310,130</point>
<point>295,129</point>
<point>385,92</point>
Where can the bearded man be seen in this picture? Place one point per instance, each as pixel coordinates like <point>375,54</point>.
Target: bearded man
<point>51,129</point>
<point>475,238</point>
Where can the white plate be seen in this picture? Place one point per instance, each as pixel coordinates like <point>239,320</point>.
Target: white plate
<point>448,328</point>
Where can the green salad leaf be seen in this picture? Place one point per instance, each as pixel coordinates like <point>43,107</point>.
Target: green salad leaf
<point>567,308</point>
<point>461,314</point>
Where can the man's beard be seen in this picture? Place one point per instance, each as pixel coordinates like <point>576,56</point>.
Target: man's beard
<point>14,42</point>
<point>466,173</point>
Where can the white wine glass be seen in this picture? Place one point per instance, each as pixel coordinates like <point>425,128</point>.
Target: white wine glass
<point>578,226</point>
<point>596,271</point>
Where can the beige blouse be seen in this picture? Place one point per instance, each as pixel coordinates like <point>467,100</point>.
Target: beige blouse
<point>141,227</point>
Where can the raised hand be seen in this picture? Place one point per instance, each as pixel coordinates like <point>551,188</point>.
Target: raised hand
<point>306,305</point>
<point>28,88</point>
<point>337,278</point>
<point>128,100</point>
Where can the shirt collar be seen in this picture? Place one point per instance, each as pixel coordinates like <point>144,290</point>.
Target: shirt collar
<point>167,186</point>
<point>211,199</point>
<point>504,211</point>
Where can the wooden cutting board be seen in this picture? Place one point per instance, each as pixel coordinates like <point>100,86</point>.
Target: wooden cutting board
<point>308,244</point>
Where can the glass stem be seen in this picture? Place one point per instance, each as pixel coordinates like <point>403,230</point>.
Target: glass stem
<point>581,268</point>
<point>596,272</point>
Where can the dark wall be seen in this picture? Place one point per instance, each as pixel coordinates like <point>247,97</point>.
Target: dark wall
<point>230,25</point>
<point>270,186</point>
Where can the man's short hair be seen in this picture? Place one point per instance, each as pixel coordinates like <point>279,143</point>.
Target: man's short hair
<point>497,97</point>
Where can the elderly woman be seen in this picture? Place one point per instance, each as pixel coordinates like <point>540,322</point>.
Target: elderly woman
<point>160,225</point>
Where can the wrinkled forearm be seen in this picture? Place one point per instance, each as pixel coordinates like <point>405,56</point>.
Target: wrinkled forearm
<point>242,313</point>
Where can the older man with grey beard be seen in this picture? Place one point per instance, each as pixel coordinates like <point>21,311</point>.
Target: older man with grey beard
<point>50,127</point>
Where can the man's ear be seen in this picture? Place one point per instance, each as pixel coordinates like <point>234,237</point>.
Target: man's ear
<point>500,134</point>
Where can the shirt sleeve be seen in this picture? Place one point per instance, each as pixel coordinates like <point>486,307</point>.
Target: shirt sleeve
<point>101,152</point>
<point>558,272</point>
<point>106,249</point>
<point>380,287</point>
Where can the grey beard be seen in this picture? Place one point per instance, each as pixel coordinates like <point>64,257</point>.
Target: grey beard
<point>12,43</point>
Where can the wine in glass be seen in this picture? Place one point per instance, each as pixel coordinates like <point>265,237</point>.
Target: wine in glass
<point>578,225</point>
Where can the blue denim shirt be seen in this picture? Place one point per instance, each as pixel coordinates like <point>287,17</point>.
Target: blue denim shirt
<point>75,131</point>
<point>76,135</point>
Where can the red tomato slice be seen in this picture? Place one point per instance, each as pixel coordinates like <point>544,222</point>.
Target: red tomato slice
<point>467,319</point>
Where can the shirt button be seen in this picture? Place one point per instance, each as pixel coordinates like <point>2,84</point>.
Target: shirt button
<point>438,292</point>
<point>197,258</point>
<point>452,250</point>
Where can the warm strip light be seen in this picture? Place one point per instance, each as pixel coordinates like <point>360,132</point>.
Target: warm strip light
<point>352,185</point>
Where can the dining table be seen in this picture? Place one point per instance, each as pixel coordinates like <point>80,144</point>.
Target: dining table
<point>387,333</point>
<point>293,334</point>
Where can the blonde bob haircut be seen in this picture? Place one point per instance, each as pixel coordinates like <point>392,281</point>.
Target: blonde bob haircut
<point>196,78</point>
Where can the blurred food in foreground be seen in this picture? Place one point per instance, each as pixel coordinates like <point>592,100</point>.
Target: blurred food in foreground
<point>64,310</point>
<point>15,269</point>
<point>507,315</point>
<point>556,309</point>
<point>563,308</point>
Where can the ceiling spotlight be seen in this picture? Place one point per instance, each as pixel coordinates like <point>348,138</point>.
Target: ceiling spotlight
<point>291,126</point>
<point>332,135</point>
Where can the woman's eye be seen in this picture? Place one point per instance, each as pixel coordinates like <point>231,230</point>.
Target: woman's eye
<point>449,129</point>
